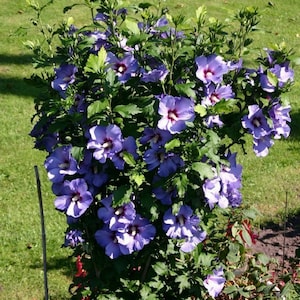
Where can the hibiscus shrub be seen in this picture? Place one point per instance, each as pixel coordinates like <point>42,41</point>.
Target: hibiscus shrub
<point>139,116</point>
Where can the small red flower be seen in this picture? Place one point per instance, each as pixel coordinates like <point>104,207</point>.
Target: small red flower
<point>240,230</point>
<point>81,272</point>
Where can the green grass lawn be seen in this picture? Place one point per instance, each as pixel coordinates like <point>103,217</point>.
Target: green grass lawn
<point>266,181</point>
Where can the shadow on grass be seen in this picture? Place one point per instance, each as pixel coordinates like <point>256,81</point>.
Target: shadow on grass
<point>24,59</point>
<point>16,86</point>
<point>12,83</point>
<point>295,126</point>
<point>65,265</point>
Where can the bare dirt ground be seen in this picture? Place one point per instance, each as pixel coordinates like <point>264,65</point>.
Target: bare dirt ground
<point>281,242</point>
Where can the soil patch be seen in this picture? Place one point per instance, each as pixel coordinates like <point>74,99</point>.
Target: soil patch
<point>281,242</point>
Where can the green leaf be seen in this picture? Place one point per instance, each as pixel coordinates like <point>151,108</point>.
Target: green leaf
<point>146,293</point>
<point>126,111</point>
<point>95,63</point>
<point>137,39</point>
<point>122,195</point>
<point>77,153</point>
<point>200,12</point>
<point>186,89</point>
<point>204,170</point>
<point>200,110</point>
<point>244,293</point>
<point>246,237</point>
<point>183,282</point>
<point>138,178</point>
<point>132,26</point>
<point>230,289</point>
<point>288,289</point>
<point>160,268</point>
<point>172,144</point>
<point>263,258</point>
<point>272,78</point>
<point>128,158</point>
<point>181,184</point>
<point>250,213</point>
<point>233,255</point>
<point>225,106</point>
<point>156,283</point>
<point>145,5</point>
<point>97,107</point>
<point>205,259</point>
<point>235,230</point>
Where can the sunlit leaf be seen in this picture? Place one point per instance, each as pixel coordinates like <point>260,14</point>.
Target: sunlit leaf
<point>97,107</point>
<point>127,110</point>
<point>122,195</point>
<point>204,170</point>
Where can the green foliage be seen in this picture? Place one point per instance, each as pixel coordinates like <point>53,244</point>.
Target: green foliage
<point>21,267</point>
<point>130,103</point>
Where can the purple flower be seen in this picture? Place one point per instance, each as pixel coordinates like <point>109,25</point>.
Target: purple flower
<point>44,141</point>
<point>182,225</point>
<point>106,141</point>
<point>60,163</point>
<point>214,283</point>
<point>234,168</point>
<point>73,238</point>
<point>258,126</point>
<point>175,111</point>
<point>256,122</point>
<point>156,137</point>
<point>167,163</point>
<point>271,56</point>
<point>261,145</point>
<point>128,146</point>
<point>157,28</point>
<point>283,73</point>
<point>214,94</point>
<point>265,83</point>
<point>190,243</point>
<point>100,40</point>
<point>79,105</point>
<point>137,234</point>
<point>122,43</point>
<point>92,171</point>
<point>125,68</point>
<point>172,33</point>
<point>235,65</point>
<point>280,116</point>
<point>116,217</point>
<point>224,189</point>
<point>75,198</point>
<point>214,120</point>
<point>71,220</point>
<point>212,193</point>
<point>155,75</point>
<point>64,76</point>
<point>210,68</point>
<point>108,239</point>
<point>165,196</point>
<point>101,17</point>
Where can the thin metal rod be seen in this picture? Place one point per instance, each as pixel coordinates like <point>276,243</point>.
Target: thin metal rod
<point>39,192</point>
<point>284,228</point>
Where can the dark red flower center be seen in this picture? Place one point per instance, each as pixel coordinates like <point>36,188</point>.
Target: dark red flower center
<point>120,68</point>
